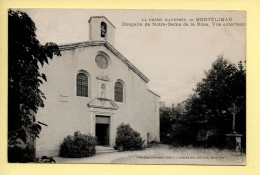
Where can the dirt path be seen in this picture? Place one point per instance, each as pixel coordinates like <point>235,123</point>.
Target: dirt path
<point>162,154</point>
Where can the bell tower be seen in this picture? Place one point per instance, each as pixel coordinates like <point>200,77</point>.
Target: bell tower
<point>101,29</point>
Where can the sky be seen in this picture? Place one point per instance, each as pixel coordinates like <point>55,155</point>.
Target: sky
<point>174,58</point>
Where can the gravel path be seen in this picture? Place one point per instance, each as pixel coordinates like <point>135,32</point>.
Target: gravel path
<point>162,154</point>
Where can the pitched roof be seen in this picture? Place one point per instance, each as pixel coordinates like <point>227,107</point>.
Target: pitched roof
<point>103,103</point>
<point>154,93</point>
<point>109,47</point>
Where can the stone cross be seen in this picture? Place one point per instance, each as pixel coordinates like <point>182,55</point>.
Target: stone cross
<point>234,110</point>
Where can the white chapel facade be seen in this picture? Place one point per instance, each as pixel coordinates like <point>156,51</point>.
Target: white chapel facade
<point>92,88</point>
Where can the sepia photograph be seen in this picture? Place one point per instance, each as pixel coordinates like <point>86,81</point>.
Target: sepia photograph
<point>92,86</point>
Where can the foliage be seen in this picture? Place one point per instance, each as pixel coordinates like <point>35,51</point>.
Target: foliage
<point>77,146</point>
<point>20,154</point>
<point>25,54</point>
<point>223,85</point>
<point>206,111</point>
<point>45,159</point>
<point>128,139</point>
<point>174,128</point>
<point>152,144</point>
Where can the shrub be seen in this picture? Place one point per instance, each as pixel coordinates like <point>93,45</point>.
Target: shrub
<point>128,139</point>
<point>20,154</point>
<point>152,144</point>
<point>77,146</point>
<point>45,159</point>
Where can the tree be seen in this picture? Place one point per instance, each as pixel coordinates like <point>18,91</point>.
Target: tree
<point>173,125</point>
<point>223,85</point>
<point>25,54</point>
<point>166,122</point>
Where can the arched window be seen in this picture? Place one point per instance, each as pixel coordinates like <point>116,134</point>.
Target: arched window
<point>119,92</point>
<point>103,29</point>
<point>82,85</point>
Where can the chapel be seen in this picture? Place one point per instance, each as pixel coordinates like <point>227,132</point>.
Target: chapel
<point>93,88</point>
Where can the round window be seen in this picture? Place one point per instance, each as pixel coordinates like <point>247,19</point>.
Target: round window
<point>101,61</point>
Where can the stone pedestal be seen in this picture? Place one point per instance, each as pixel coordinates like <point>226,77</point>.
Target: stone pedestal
<point>234,141</point>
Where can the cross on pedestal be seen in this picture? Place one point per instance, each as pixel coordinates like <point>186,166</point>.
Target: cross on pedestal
<point>234,110</point>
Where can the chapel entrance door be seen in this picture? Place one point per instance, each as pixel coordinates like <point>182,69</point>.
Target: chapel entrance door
<point>102,130</point>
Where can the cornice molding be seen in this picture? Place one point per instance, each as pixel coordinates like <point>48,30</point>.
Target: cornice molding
<point>103,103</point>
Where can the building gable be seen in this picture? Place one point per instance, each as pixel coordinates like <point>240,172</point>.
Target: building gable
<point>109,47</point>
